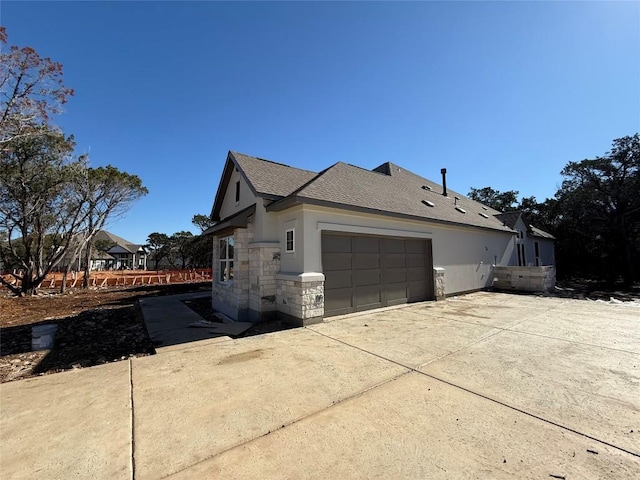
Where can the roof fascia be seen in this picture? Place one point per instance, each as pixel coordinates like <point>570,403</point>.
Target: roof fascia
<point>238,219</point>
<point>230,164</point>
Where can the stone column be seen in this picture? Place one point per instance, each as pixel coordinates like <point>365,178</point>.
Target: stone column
<point>264,263</point>
<point>438,283</point>
<point>300,298</point>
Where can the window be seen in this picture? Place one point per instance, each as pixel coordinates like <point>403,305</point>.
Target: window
<point>522,260</point>
<point>537,252</point>
<point>289,240</point>
<point>237,191</point>
<point>226,245</point>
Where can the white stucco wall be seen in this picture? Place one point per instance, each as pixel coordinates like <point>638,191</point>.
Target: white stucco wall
<point>546,248</point>
<point>229,204</point>
<point>465,253</point>
<point>547,251</point>
<point>266,223</point>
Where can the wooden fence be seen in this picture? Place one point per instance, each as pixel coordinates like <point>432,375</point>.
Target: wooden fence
<point>121,279</point>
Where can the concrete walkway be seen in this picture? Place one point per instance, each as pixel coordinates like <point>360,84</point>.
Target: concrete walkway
<point>168,322</point>
<point>482,386</point>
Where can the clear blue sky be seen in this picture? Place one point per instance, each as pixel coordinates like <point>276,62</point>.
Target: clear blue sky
<point>503,94</point>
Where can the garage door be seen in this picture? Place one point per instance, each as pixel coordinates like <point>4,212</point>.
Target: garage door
<point>364,272</point>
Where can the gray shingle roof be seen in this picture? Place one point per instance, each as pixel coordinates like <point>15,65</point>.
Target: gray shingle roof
<point>121,242</point>
<point>390,189</point>
<point>536,232</point>
<point>511,218</point>
<point>271,178</point>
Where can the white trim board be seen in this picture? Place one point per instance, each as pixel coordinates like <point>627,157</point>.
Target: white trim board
<point>391,232</point>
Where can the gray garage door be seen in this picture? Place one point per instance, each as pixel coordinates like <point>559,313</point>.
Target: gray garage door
<point>364,272</point>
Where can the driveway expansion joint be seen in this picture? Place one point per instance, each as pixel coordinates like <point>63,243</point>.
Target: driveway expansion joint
<point>132,465</point>
<point>294,421</point>
<point>517,409</point>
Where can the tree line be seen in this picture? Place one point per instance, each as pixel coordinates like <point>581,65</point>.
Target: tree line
<point>52,201</point>
<point>594,215</point>
<point>182,249</point>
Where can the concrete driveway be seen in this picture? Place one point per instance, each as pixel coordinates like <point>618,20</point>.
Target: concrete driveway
<point>480,386</point>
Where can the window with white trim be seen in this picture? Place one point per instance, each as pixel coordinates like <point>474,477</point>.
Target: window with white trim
<point>226,247</point>
<point>289,240</point>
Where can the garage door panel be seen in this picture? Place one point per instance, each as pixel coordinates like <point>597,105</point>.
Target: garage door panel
<point>336,261</point>
<point>338,279</point>
<point>395,275</point>
<point>364,261</point>
<point>393,260</point>
<point>417,290</point>
<point>339,301</point>
<point>366,245</point>
<point>336,244</point>
<point>415,246</point>
<point>367,297</point>
<point>366,277</point>
<point>416,273</point>
<point>416,260</point>
<point>396,293</point>
<point>392,245</point>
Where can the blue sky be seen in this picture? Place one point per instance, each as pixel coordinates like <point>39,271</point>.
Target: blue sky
<point>502,94</point>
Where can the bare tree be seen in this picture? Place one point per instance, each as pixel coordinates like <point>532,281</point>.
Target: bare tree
<point>31,91</point>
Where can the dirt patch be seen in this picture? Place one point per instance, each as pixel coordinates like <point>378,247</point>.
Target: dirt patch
<point>242,357</point>
<point>94,327</point>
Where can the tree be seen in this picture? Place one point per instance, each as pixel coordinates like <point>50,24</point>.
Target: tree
<point>51,202</point>
<point>202,252</point>
<point>37,214</point>
<point>107,193</point>
<point>202,221</point>
<point>182,245</point>
<point>31,92</point>
<point>160,246</point>
<point>600,207</point>
<point>501,201</point>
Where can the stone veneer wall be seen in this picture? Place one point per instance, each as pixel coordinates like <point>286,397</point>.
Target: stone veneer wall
<point>528,279</point>
<point>264,263</point>
<point>232,298</point>
<point>438,283</point>
<point>300,298</point>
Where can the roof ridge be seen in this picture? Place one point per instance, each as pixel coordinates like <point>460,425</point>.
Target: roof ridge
<point>270,161</point>
<point>318,175</point>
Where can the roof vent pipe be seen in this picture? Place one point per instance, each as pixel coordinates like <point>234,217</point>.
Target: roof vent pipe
<point>443,171</point>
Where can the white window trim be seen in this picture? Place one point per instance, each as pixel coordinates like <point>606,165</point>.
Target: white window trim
<point>226,261</point>
<point>293,240</point>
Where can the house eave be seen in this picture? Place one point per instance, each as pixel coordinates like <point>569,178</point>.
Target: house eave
<point>237,220</point>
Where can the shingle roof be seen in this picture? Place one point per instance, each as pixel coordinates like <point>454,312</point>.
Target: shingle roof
<point>536,232</point>
<point>390,189</point>
<point>511,218</point>
<point>121,242</point>
<point>271,178</point>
